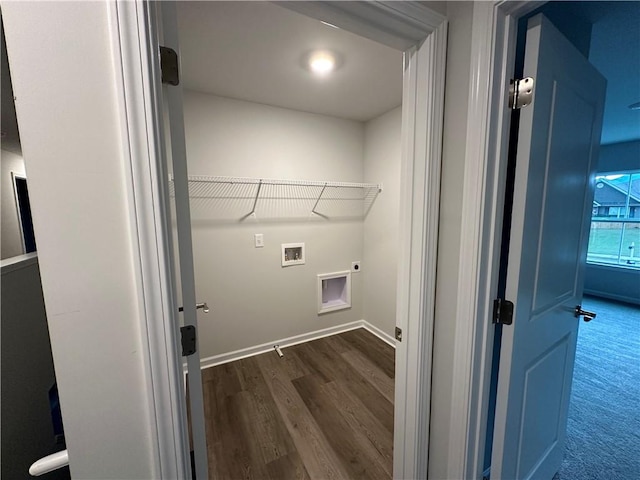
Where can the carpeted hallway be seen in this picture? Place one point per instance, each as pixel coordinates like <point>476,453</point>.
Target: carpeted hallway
<point>603,432</point>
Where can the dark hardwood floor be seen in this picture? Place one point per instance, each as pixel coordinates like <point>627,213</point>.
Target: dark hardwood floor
<point>324,411</point>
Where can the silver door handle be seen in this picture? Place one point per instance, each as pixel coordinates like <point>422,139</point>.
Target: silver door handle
<point>579,312</point>
<point>203,306</point>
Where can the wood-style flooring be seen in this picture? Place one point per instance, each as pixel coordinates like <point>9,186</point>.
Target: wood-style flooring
<point>323,411</point>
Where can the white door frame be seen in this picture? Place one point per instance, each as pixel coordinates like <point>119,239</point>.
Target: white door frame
<point>138,92</point>
<point>493,45</point>
<point>407,26</point>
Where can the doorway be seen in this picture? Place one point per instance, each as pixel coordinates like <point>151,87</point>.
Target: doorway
<point>24,213</point>
<point>592,28</point>
<point>411,155</point>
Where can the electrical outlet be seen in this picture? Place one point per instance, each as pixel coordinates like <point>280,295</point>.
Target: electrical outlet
<point>356,266</point>
<point>259,240</point>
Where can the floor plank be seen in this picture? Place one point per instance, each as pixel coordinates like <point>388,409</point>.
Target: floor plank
<point>319,459</point>
<point>323,411</point>
<point>378,351</point>
<point>361,420</point>
<point>344,440</point>
<point>288,467</point>
<point>370,371</point>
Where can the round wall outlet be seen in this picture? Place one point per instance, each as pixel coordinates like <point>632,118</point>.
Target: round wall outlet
<point>356,266</point>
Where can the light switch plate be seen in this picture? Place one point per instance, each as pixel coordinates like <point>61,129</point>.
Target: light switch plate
<point>259,240</point>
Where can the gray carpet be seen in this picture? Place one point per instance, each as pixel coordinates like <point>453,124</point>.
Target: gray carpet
<point>603,432</point>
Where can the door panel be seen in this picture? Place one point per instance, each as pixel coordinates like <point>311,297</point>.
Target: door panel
<point>538,439</point>
<point>558,255</point>
<point>558,141</point>
<point>174,112</point>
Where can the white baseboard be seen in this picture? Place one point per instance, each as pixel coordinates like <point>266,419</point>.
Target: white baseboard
<point>284,342</point>
<point>385,337</point>
<point>612,296</point>
<point>295,340</point>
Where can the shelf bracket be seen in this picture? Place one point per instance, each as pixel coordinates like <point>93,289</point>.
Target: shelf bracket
<point>313,210</point>
<point>255,201</point>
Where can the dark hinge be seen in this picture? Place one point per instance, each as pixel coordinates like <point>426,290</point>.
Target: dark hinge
<point>502,311</point>
<point>398,334</point>
<point>169,66</point>
<point>188,340</point>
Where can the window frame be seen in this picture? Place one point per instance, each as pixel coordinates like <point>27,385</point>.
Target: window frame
<point>624,220</point>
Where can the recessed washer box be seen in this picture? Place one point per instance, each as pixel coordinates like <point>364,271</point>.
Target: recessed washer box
<point>334,291</point>
<point>292,254</point>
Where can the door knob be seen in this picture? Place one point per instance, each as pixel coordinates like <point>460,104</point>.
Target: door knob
<point>203,306</point>
<point>579,312</point>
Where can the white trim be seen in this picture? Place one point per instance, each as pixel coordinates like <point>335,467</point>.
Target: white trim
<point>338,304</point>
<point>291,341</point>
<point>385,337</point>
<point>12,264</point>
<point>403,24</point>
<point>283,343</point>
<point>135,64</point>
<point>292,262</point>
<point>424,81</point>
<point>611,296</point>
<point>492,56</point>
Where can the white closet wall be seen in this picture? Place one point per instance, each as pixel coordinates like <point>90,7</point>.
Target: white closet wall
<point>380,259</point>
<point>253,299</point>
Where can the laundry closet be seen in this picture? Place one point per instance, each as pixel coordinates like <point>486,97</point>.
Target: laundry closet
<point>294,189</point>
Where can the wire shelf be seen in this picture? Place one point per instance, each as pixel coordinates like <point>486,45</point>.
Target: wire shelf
<point>238,198</point>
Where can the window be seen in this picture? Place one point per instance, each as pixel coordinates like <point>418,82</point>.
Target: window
<point>614,238</point>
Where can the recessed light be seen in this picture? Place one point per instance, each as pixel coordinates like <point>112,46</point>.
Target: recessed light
<point>322,62</point>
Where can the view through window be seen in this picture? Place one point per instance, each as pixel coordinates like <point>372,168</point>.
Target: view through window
<point>615,221</point>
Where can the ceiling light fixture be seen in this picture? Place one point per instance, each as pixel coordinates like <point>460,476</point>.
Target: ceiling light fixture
<point>634,106</point>
<point>322,62</point>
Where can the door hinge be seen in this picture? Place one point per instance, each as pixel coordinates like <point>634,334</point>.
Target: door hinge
<point>169,66</point>
<point>398,334</point>
<point>502,311</point>
<point>520,93</point>
<point>188,340</point>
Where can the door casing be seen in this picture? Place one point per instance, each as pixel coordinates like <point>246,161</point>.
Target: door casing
<point>422,34</point>
<point>493,41</point>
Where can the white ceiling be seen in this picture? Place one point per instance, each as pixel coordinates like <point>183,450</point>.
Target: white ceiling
<point>255,51</point>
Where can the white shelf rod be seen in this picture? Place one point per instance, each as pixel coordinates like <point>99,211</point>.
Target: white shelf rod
<point>281,182</point>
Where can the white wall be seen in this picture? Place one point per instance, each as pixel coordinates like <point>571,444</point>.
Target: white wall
<point>64,82</point>
<point>10,240</point>
<point>253,299</point>
<point>380,259</point>
<point>459,15</point>
<point>617,283</point>
<point>619,156</point>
